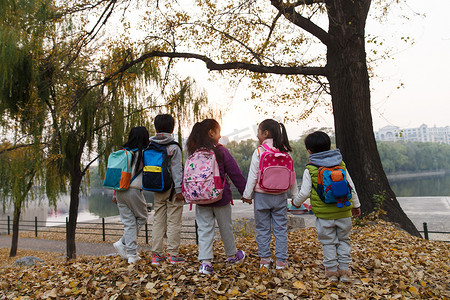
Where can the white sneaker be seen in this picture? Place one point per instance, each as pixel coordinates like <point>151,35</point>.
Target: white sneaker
<point>132,259</point>
<point>120,248</point>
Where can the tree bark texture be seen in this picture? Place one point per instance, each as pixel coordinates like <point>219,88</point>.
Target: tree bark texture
<point>15,236</point>
<point>73,215</point>
<point>349,85</point>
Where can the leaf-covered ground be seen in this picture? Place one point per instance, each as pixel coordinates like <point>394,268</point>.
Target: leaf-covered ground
<point>388,264</point>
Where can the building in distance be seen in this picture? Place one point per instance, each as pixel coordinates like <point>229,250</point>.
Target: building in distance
<point>420,134</point>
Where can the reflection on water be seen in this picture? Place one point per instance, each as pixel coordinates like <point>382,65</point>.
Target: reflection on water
<point>97,205</point>
<point>421,187</point>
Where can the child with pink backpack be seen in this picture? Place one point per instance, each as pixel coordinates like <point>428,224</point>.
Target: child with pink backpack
<point>270,176</point>
<point>204,183</point>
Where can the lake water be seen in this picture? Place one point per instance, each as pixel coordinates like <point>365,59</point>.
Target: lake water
<point>99,204</point>
<point>421,187</point>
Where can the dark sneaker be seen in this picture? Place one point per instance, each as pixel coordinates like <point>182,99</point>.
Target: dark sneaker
<point>238,258</point>
<point>156,259</point>
<point>175,259</point>
<point>206,268</point>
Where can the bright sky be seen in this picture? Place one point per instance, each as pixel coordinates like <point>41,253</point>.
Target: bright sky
<point>423,69</point>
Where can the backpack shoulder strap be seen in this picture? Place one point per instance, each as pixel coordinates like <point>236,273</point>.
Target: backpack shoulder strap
<point>174,143</point>
<point>267,148</point>
<point>166,145</point>
<point>136,175</point>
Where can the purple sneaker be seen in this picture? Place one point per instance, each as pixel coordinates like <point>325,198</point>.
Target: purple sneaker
<point>206,268</point>
<point>239,257</point>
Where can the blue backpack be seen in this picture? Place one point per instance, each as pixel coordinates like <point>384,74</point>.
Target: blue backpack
<point>332,187</point>
<point>118,170</point>
<point>157,176</point>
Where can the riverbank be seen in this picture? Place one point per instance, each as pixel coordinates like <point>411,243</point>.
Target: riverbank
<point>406,176</point>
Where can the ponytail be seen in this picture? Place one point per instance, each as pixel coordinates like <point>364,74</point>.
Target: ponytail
<point>285,139</point>
<point>277,133</point>
<point>192,141</point>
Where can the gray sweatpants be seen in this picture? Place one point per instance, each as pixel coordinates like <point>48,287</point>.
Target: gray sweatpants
<point>205,217</point>
<point>133,214</point>
<point>335,238</point>
<point>271,215</point>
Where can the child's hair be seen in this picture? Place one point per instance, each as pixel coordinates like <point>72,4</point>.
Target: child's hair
<point>278,133</point>
<point>199,137</point>
<point>164,123</point>
<point>138,138</point>
<point>318,141</point>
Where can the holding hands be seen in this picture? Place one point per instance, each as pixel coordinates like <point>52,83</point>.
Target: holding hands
<point>249,201</point>
<point>179,197</point>
<point>114,199</point>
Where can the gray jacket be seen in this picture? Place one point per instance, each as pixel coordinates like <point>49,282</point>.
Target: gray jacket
<point>174,152</point>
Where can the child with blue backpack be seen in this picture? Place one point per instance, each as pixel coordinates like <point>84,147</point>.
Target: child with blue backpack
<point>168,204</point>
<point>326,174</point>
<point>270,192</point>
<point>205,136</point>
<point>131,202</point>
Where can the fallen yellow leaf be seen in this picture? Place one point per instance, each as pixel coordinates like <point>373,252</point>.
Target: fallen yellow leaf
<point>299,285</point>
<point>413,290</point>
<point>365,280</point>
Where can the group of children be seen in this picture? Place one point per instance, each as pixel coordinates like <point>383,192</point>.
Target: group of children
<point>333,223</point>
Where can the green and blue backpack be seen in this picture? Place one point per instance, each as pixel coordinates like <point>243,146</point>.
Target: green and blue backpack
<point>118,170</point>
<point>332,186</point>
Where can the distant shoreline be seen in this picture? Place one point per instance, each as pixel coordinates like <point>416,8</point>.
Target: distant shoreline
<point>395,177</point>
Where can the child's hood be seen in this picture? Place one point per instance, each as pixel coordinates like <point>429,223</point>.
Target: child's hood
<point>162,138</point>
<point>328,158</point>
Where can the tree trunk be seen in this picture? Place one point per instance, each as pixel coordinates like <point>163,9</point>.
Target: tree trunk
<point>350,92</point>
<point>15,236</point>
<point>75,183</point>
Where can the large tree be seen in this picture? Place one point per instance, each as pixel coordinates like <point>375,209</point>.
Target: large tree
<point>77,93</point>
<point>66,89</point>
<point>268,41</point>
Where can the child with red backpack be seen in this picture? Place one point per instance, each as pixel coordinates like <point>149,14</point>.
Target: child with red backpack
<point>327,183</point>
<point>209,189</point>
<point>270,176</point>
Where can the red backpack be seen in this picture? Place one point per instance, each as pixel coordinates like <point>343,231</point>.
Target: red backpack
<point>276,171</point>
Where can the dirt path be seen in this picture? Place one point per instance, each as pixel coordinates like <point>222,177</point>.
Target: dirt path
<point>83,248</point>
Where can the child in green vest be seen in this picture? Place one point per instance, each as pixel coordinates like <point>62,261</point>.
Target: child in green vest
<point>333,223</point>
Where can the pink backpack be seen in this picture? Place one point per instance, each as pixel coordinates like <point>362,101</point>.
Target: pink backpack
<point>276,171</point>
<point>201,179</point>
